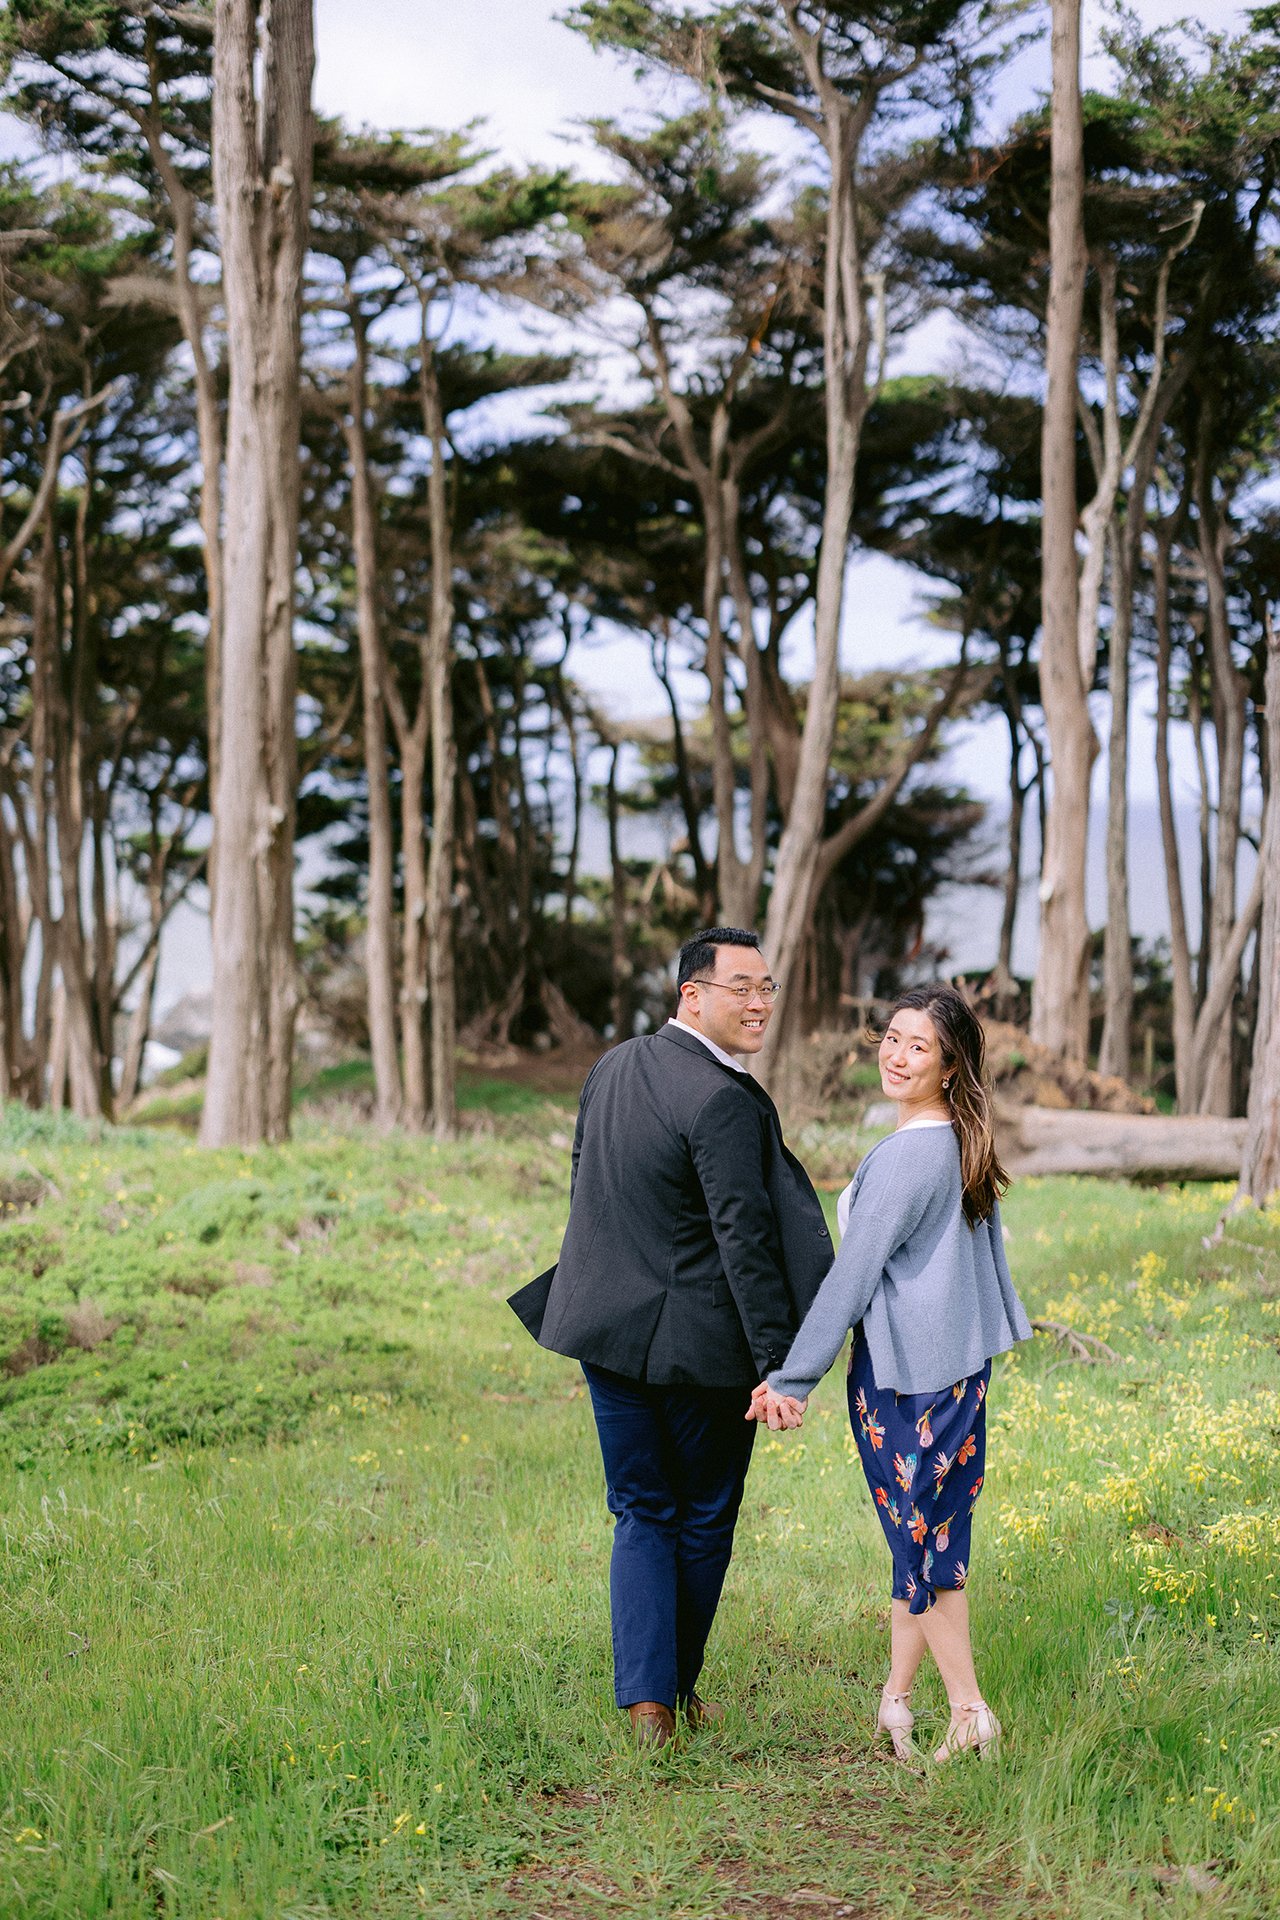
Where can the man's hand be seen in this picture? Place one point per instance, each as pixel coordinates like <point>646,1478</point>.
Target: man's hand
<point>778,1411</point>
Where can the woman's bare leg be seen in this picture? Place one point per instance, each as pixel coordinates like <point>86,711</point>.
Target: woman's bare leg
<point>907,1645</point>
<point>946,1631</point>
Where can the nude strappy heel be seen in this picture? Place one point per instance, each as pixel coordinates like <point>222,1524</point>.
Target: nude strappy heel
<point>895,1718</point>
<point>978,1732</point>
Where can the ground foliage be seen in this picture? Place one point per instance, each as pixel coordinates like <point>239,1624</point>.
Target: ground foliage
<point>304,1558</point>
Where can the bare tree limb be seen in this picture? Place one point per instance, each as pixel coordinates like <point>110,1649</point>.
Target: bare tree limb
<point>846,836</point>
<point>65,431</point>
<point>1085,1347</point>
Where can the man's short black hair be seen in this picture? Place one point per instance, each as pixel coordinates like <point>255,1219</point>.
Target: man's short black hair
<point>698,955</point>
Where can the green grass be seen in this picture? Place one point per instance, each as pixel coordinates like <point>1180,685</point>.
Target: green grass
<point>175,1098</point>
<point>303,1613</point>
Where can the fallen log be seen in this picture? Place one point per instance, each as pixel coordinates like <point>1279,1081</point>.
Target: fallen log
<point>1119,1146</point>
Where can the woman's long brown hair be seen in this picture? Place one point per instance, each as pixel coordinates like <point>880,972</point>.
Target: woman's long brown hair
<point>968,1093</point>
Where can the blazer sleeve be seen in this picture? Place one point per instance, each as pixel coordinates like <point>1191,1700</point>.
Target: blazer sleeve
<point>578,1130</point>
<point>727,1144</point>
<point>887,1208</point>
<point>577,1148</point>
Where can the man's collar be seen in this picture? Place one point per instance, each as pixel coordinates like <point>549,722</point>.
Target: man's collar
<point>689,1040</point>
<point>725,1058</point>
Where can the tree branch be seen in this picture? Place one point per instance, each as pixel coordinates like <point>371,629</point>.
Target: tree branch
<point>846,837</point>
<point>67,427</point>
<point>1223,985</point>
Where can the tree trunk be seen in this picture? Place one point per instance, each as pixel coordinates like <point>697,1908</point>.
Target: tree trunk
<point>737,880</point>
<point>1244,1026</point>
<point>1115,1054</point>
<point>619,944</point>
<point>1006,987</point>
<point>413,952</point>
<point>754,703</point>
<point>1213,1026</point>
<point>1112,457</point>
<point>703,880</point>
<point>1204,816</point>
<point>441,982</point>
<point>487,946</point>
<point>1060,995</point>
<point>1116,1051</point>
<point>37,843</point>
<point>56,770</point>
<point>146,968</point>
<point>139,1029</point>
<point>13,949</point>
<point>1095,519</point>
<point>523,878</point>
<point>734,907</point>
<point>1179,944</point>
<point>1230,701</point>
<point>426,954</point>
<point>106,934</point>
<point>780,717</point>
<point>511,878</point>
<point>845,348</point>
<point>84,1056</point>
<point>1020,735</point>
<point>57,1091</point>
<point>800,1009</point>
<point>379,941</point>
<point>262,142</point>
<point>1260,1169</point>
<point>182,207</point>
<point>84,803</point>
<point>564,700</point>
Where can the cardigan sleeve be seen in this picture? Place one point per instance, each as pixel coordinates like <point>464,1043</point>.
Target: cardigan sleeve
<point>1015,1312</point>
<point>888,1205</point>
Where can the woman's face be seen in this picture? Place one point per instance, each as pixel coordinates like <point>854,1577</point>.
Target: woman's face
<point>911,1059</point>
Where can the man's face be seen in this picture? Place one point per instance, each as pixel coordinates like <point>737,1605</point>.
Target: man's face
<point>717,1005</point>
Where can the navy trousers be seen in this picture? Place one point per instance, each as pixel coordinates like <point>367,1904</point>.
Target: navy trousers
<point>675,1460</point>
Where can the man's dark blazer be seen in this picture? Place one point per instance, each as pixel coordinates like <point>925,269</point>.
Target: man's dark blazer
<point>695,1241</point>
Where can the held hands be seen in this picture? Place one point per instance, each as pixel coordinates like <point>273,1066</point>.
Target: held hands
<point>778,1411</point>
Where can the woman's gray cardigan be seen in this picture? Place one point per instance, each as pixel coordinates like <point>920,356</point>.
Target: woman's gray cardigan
<point>933,1294</point>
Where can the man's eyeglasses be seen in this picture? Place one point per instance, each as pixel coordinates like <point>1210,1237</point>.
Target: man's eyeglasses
<point>768,990</point>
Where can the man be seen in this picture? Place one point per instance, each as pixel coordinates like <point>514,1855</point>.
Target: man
<point>695,1244</point>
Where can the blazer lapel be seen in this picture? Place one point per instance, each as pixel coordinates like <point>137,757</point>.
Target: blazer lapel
<point>689,1043</point>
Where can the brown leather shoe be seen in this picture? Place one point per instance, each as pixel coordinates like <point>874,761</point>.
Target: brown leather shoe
<point>702,1713</point>
<point>652,1724</point>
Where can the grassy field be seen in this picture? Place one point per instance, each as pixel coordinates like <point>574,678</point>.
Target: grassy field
<point>304,1559</point>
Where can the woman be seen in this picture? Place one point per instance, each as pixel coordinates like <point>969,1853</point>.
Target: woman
<point>922,1279</point>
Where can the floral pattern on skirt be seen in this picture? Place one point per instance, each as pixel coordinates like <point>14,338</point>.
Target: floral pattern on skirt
<point>924,1457</point>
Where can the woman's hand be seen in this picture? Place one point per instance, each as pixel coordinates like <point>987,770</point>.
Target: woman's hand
<point>778,1411</point>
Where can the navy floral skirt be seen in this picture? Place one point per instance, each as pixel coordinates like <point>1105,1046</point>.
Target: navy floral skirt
<point>924,1456</point>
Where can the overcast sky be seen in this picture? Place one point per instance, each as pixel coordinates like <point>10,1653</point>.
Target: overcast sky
<point>439,63</point>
